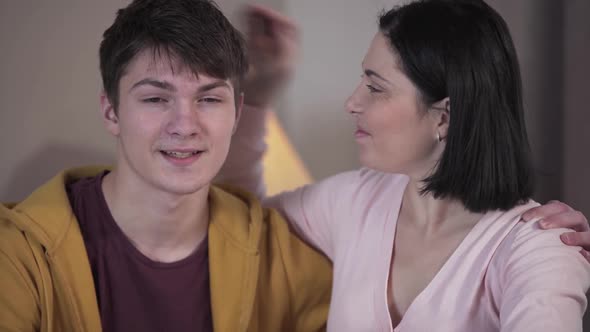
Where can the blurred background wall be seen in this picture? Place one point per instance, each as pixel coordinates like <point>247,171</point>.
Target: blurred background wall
<point>49,86</point>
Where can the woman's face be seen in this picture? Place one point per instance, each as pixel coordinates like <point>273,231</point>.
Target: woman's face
<point>395,131</point>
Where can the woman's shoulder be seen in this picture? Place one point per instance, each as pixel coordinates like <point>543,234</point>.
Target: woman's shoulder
<point>366,180</point>
<point>518,233</point>
<point>529,234</point>
<point>535,277</point>
<point>527,245</point>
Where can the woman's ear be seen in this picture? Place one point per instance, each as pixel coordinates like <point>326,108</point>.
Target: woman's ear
<point>442,112</point>
<point>109,115</point>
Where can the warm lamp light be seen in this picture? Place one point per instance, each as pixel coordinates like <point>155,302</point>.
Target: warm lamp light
<point>283,168</point>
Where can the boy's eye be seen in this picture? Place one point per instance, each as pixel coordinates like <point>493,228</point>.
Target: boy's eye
<point>210,100</point>
<point>154,100</point>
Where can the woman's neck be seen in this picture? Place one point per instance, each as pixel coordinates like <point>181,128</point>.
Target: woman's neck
<point>434,214</point>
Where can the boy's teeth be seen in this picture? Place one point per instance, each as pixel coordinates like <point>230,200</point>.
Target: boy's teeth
<point>179,154</point>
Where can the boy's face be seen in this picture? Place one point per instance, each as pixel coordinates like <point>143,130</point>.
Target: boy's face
<point>173,129</point>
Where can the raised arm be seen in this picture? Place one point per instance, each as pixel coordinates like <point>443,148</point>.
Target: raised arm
<point>273,45</point>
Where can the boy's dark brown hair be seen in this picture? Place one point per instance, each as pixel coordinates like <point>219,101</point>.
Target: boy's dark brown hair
<point>193,32</point>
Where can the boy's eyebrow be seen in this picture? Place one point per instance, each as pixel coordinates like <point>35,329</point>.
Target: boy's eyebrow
<point>156,83</point>
<point>170,87</point>
<point>213,85</point>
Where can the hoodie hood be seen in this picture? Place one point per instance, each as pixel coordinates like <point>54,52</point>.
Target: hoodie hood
<point>46,214</point>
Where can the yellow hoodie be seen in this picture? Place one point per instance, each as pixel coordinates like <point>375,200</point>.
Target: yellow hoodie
<point>262,277</point>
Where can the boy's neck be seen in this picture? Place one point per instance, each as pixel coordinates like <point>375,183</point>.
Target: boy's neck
<point>162,226</point>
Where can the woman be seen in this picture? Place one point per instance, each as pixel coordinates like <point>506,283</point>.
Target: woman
<point>428,236</point>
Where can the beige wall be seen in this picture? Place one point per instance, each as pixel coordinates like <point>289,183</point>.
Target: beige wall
<point>50,84</point>
<point>49,87</point>
<point>336,34</point>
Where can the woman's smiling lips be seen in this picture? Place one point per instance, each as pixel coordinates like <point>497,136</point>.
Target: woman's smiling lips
<point>360,133</point>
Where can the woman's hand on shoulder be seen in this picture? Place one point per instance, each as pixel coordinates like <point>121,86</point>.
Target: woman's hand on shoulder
<point>556,214</point>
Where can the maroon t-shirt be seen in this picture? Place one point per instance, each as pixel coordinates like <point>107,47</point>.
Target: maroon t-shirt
<point>135,293</point>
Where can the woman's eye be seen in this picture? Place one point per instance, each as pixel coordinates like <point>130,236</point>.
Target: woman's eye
<point>372,89</point>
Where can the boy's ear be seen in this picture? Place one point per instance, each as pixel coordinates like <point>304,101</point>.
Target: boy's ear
<point>109,115</point>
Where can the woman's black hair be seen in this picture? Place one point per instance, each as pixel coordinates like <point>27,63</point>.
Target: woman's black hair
<point>463,50</point>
